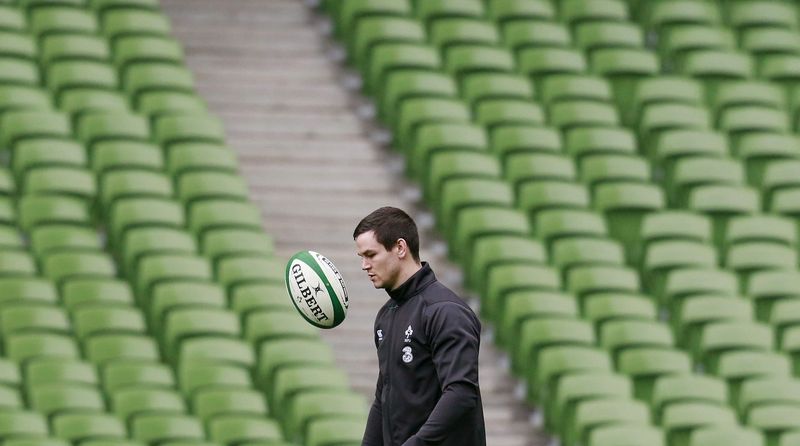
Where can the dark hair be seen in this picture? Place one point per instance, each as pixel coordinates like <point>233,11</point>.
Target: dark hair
<point>390,224</point>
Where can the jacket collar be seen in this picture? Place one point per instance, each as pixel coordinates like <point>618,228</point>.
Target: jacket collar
<point>413,285</point>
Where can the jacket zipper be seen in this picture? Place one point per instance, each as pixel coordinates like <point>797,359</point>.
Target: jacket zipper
<point>388,385</point>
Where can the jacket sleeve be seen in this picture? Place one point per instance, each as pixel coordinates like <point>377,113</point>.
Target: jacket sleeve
<point>373,434</point>
<point>454,334</point>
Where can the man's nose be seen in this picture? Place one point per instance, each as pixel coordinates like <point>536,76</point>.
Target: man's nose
<point>364,265</point>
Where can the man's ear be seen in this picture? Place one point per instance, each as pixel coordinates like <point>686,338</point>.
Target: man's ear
<point>402,248</point>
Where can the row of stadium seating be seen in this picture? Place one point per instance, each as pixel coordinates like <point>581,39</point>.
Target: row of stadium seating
<point>140,299</point>
<point>618,181</point>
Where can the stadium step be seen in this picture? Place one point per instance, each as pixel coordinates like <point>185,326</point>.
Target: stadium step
<point>264,69</point>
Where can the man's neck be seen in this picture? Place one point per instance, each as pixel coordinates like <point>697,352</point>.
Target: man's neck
<point>406,274</point>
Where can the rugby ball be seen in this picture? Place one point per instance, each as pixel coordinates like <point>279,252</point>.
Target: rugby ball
<point>317,289</point>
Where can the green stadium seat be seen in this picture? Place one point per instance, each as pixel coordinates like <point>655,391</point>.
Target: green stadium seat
<point>63,76</point>
<point>678,389</point>
<point>195,377</point>
<point>463,60</point>
<point>10,238</point>
<point>512,10</point>
<point>64,266</point>
<point>20,97</point>
<point>681,41</point>
<point>145,49</point>
<point>181,324</point>
<point>553,224</point>
<point>742,93</point>
<point>624,205</point>
<point>699,311</point>
<point>412,83</point>
<point>646,365</point>
<point>14,71</point>
<point>17,263</point>
<point>596,35</point>
<point>766,288</point>
<point>54,399</point>
<point>279,354</point>
<point>12,19</point>
<point>663,15</point>
<point>391,57</point>
<point>20,125</point>
<point>136,376</point>
<point>22,347</point>
<point>624,434</point>
<point>524,305</point>
<point>568,115</point>
<point>778,175</point>
<point>762,391</point>
<point>49,371</point>
<point>782,69</point>
<point>571,252</point>
<point>662,89</point>
<point>174,296</point>
<point>458,166</point>
<point>593,414</point>
<point>495,113</point>
<point>769,40</point>
<point>761,13</point>
<point>34,319</point>
<point>98,127</point>
<point>506,141</point>
<point>774,420</point>
<point>658,118</point>
<point>163,103</point>
<point>536,196</point>
<point>157,428</point>
<point>14,44</point>
<point>497,250</point>
<point>335,431</point>
<point>613,169</point>
<point>215,214</point>
<point>70,181</point>
<point>720,337</point>
<point>684,283</point>
<point>760,149</point>
<point>293,381</point>
<point>164,268</point>
<point>197,186</point>
<point>188,157</point>
<point>578,11</point>
<point>749,258</point>
<point>587,281</point>
<point>93,321</point>
<point>605,308</point>
<point>721,203</point>
<point>661,257</point>
<point>372,31</point>
<point>692,172</point>
<point>61,20</point>
<point>79,102</point>
<point>129,213</point>
<point>216,349</point>
<point>104,5</point>
<point>236,271</point>
<point>213,402</point>
<point>573,389</point>
<point>108,349</point>
<point>539,63</point>
<point>131,403</point>
<point>558,362</point>
<point>575,87</point>
<point>506,278</point>
<point>536,335</point>
<point>169,130</point>
<point>450,32</point>
<point>742,120</point>
<point>15,290</point>
<point>475,222</point>
<point>715,67</point>
<point>413,113</point>
<point>25,441</point>
<point>111,155</point>
<point>60,47</point>
<point>127,21</point>
<point>625,68</point>
<point>436,10</point>
<point>519,34</point>
<point>727,436</point>
<point>129,183</point>
<point>310,407</point>
<point>22,424</point>
<point>95,292</point>
<point>143,78</point>
<point>235,429</point>
<point>223,243</point>
<point>680,420</point>
<point>259,296</point>
<point>625,335</point>
<point>583,143</point>
<point>523,168</point>
<point>464,193</point>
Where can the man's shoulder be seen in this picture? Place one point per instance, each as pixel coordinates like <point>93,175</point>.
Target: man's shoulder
<point>437,297</point>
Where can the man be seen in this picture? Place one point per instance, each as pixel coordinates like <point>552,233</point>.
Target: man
<point>427,340</point>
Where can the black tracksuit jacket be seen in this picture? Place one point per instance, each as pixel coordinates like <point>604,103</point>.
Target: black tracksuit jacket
<point>427,392</point>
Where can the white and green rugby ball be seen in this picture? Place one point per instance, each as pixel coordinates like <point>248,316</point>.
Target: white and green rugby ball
<point>317,289</point>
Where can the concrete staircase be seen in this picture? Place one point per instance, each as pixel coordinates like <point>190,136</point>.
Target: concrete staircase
<point>265,68</point>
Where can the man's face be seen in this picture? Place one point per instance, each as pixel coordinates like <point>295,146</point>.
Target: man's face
<point>382,265</point>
